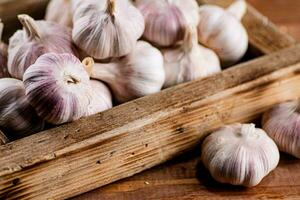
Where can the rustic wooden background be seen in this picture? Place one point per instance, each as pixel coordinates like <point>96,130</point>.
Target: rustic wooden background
<point>185,178</point>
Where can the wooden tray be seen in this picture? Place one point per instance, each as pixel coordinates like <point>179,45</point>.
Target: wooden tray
<point>130,138</point>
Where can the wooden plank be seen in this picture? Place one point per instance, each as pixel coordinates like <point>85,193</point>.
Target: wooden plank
<point>93,152</point>
<point>263,34</point>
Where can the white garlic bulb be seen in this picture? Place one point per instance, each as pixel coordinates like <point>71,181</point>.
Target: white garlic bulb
<point>108,28</point>
<point>58,87</point>
<point>36,39</point>
<point>138,74</point>
<point>239,154</point>
<point>3,55</point>
<point>60,11</point>
<point>17,117</point>
<point>166,20</point>
<point>101,98</point>
<point>222,31</point>
<point>282,123</point>
<point>189,61</point>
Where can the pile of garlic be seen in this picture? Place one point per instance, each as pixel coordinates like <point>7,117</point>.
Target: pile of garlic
<point>81,61</point>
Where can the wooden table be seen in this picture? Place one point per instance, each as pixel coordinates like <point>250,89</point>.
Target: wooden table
<point>185,178</point>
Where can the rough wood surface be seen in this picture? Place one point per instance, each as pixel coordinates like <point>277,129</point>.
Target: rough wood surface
<point>93,152</point>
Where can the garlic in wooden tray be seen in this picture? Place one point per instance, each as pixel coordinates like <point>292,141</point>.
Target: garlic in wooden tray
<point>138,74</point>
<point>108,28</point>
<point>58,87</point>
<point>239,154</point>
<point>17,117</point>
<point>221,30</point>
<point>3,55</point>
<point>60,11</point>
<point>101,98</point>
<point>166,19</point>
<point>189,61</point>
<point>282,123</point>
<point>36,39</point>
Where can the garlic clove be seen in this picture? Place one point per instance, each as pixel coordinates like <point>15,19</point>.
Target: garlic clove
<point>101,98</point>
<point>166,20</point>
<point>105,29</point>
<point>3,55</point>
<point>189,61</point>
<point>222,32</point>
<point>238,9</point>
<point>17,117</point>
<point>36,39</point>
<point>239,154</point>
<point>282,123</point>
<point>138,74</point>
<point>60,11</point>
<point>58,87</point>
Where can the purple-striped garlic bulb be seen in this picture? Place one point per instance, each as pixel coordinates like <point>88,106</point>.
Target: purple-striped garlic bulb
<point>101,98</point>
<point>58,87</point>
<point>17,117</point>
<point>3,55</point>
<point>60,11</point>
<point>239,154</point>
<point>108,28</point>
<point>221,30</point>
<point>138,74</point>
<point>166,20</point>
<point>189,61</point>
<point>282,123</point>
<point>36,39</point>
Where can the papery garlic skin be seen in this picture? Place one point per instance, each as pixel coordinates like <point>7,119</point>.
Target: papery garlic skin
<point>17,117</point>
<point>36,39</point>
<point>221,31</point>
<point>166,20</point>
<point>58,87</point>
<point>239,154</point>
<point>101,98</point>
<point>189,61</point>
<point>136,75</point>
<point>108,28</point>
<point>3,55</point>
<point>282,123</point>
<point>60,11</point>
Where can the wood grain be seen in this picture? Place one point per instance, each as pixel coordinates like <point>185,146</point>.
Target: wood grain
<point>112,145</point>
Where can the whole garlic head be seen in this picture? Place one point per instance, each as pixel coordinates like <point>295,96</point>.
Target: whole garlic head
<point>222,31</point>
<point>17,117</point>
<point>282,123</point>
<point>136,75</point>
<point>166,20</point>
<point>36,39</point>
<point>58,87</point>
<point>189,61</point>
<point>60,11</point>
<point>3,55</point>
<point>101,98</point>
<point>108,28</point>
<point>239,154</point>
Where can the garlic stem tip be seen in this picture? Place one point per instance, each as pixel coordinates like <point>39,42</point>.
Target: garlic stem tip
<point>88,64</point>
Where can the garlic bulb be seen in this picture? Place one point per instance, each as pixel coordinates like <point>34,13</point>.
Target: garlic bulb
<point>166,20</point>
<point>108,28</point>
<point>222,31</point>
<point>189,61</point>
<point>17,117</point>
<point>239,154</point>
<point>3,55</point>
<point>138,74</point>
<point>58,87</point>
<point>36,39</point>
<point>60,11</point>
<point>282,123</point>
<point>101,98</point>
